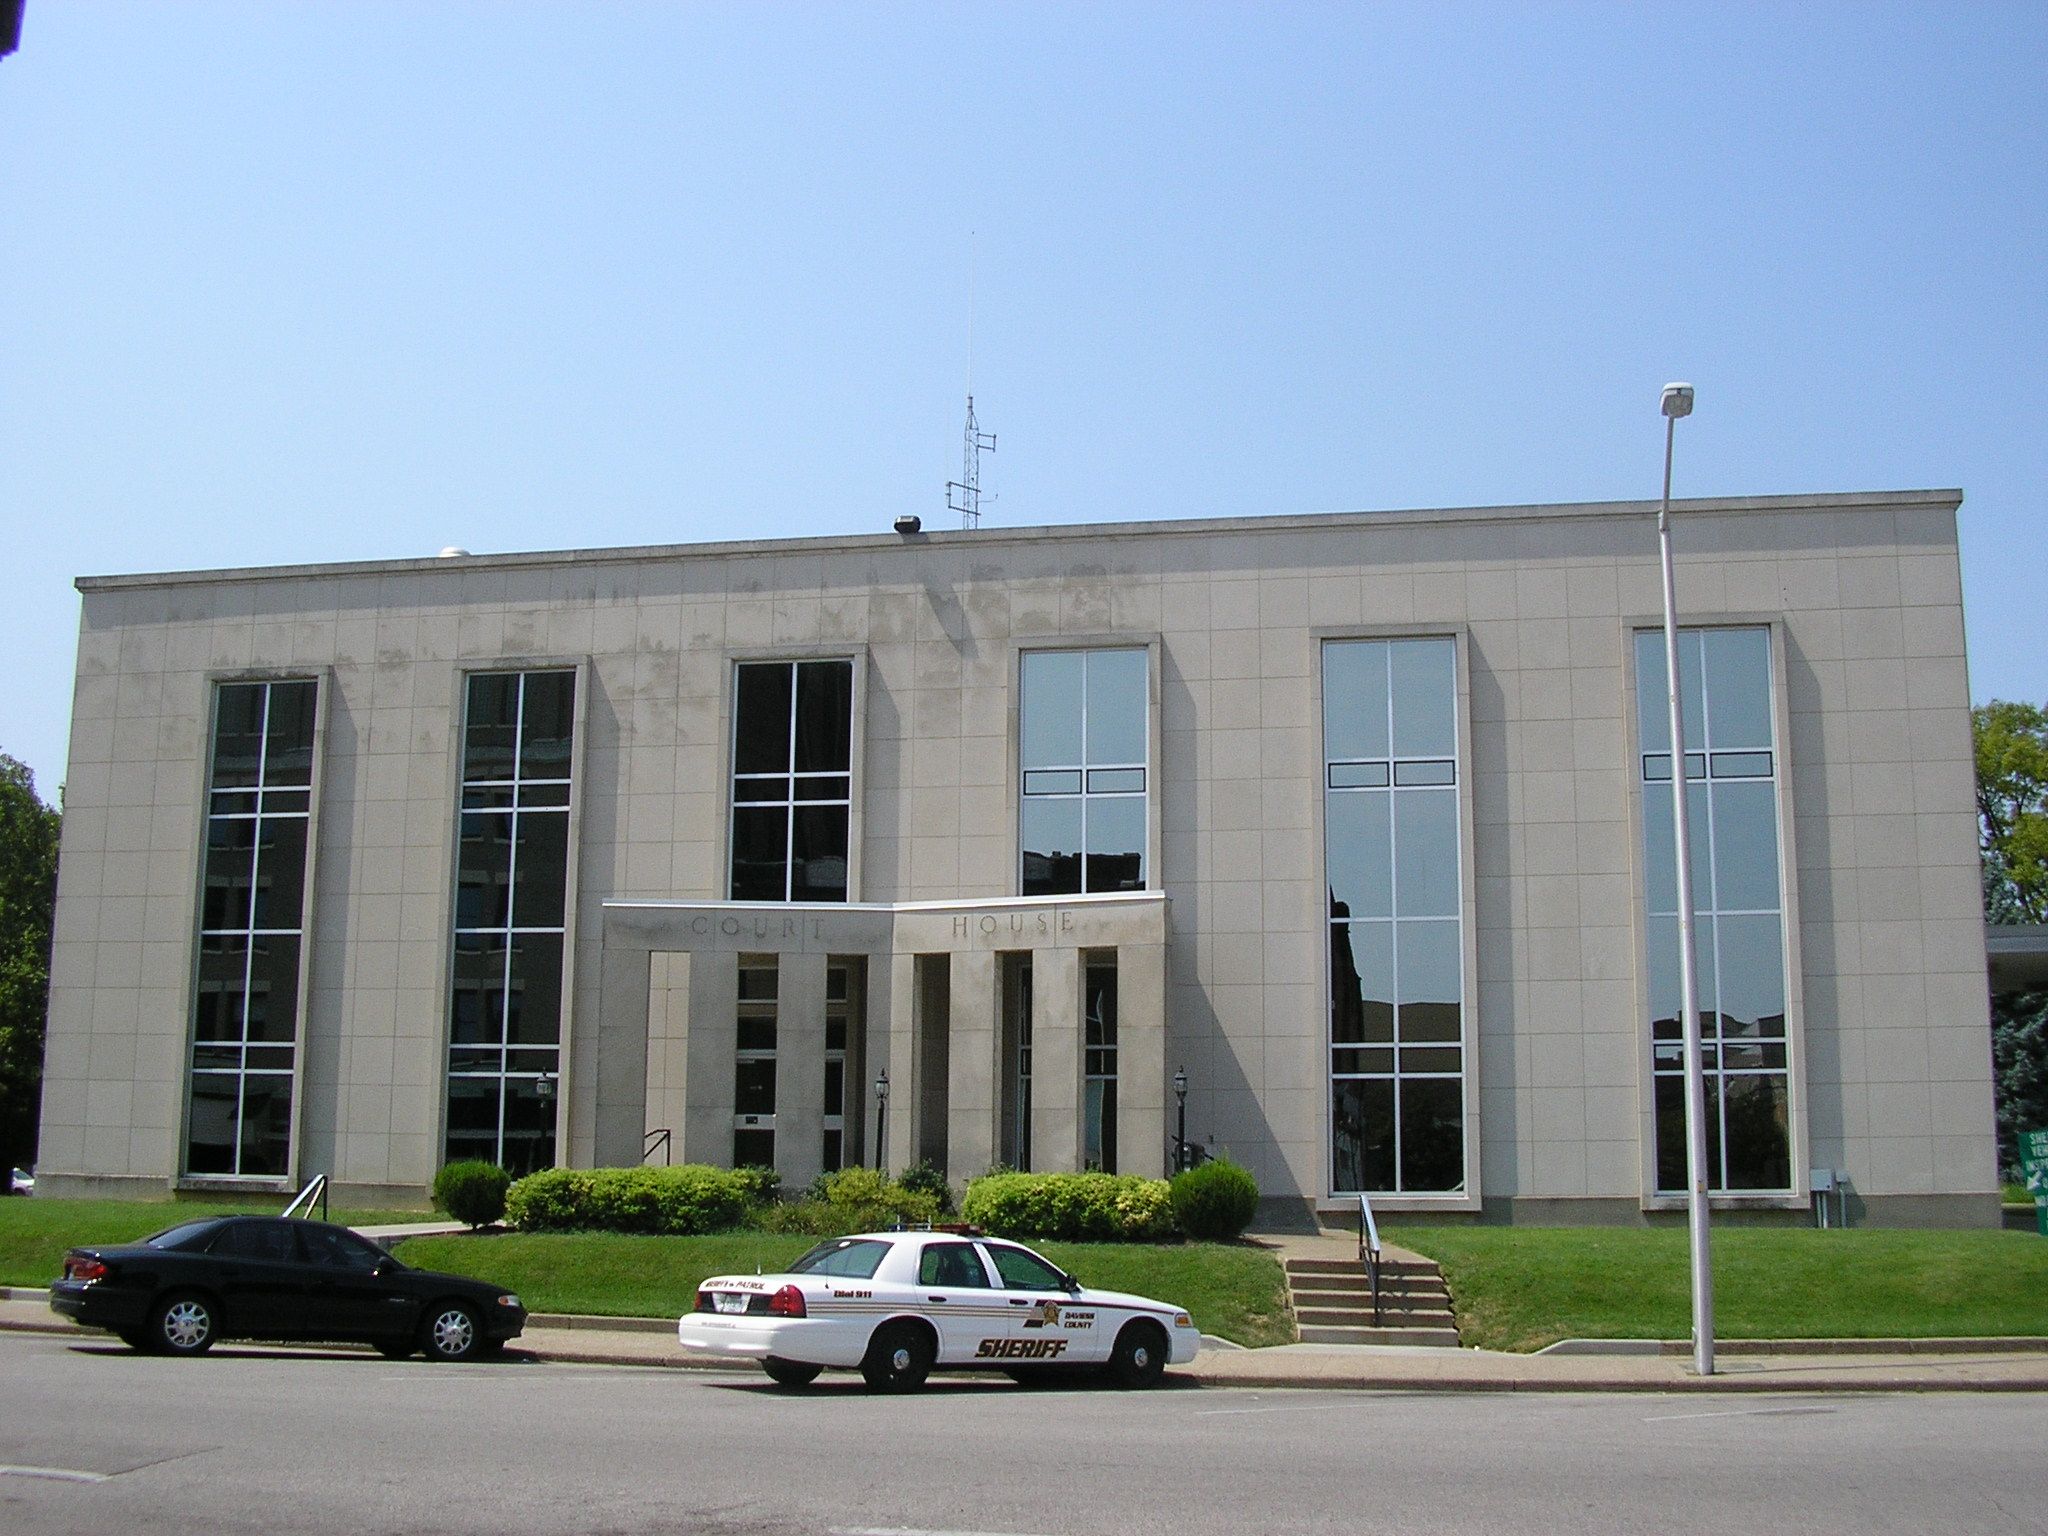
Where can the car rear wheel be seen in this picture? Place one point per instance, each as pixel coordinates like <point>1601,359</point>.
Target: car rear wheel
<point>451,1333</point>
<point>182,1324</point>
<point>790,1373</point>
<point>1139,1359</point>
<point>899,1358</point>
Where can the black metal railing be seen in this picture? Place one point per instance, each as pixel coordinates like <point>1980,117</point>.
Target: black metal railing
<point>657,1138</point>
<point>1369,1252</point>
<point>316,1189</point>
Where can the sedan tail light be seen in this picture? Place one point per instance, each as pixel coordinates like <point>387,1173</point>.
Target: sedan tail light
<point>84,1267</point>
<point>788,1302</point>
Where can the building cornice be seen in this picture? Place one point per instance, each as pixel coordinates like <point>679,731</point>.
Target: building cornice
<point>953,540</point>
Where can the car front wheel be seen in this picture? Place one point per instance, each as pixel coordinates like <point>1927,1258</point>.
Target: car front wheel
<point>790,1373</point>
<point>899,1358</point>
<point>182,1324</point>
<point>451,1333</point>
<point>1139,1359</point>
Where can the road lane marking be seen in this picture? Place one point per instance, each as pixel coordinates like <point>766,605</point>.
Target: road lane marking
<point>55,1474</point>
<point>1735,1413</point>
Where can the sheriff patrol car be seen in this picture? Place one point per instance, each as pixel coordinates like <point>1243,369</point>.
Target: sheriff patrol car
<point>894,1305</point>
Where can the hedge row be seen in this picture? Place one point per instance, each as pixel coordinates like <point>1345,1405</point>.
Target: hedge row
<point>1214,1202</point>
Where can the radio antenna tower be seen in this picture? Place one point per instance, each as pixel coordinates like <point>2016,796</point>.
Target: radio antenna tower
<point>964,495</point>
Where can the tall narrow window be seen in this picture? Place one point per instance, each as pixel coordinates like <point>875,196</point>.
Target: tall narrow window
<point>245,1016</point>
<point>1084,724</point>
<point>1731,772</point>
<point>1392,844</point>
<point>841,1012</point>
<point>1098,1105</point>
<point>753,1071</point>
<point>511,894</point>
<point>792,780</point>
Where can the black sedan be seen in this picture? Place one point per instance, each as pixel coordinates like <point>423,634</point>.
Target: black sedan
<point>265,1277</point>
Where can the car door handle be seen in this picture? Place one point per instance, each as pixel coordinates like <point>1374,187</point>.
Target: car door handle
<point>939,1299</point>
<point>1018,1301</point>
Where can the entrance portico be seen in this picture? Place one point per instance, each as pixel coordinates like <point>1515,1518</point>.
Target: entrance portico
<point>728,1023</point>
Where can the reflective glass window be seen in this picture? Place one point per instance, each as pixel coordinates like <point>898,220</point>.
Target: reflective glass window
<point>1726,700</point>
<point>511,904</point>
<point>792,785</point>
<point>1084,753</point>
<point>245,1006</point>
<point>1394,867</point>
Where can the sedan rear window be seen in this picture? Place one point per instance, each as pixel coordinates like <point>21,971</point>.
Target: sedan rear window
<point>849,1258</point>
<point>190,1234</point>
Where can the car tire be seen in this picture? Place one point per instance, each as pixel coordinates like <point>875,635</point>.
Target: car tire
<point>396,1349</point>
<point>899,1358</point>
<point>790,1373</point>
<point>183,1323</point>
<point>1139,1359</point>
<point>451,1332</point>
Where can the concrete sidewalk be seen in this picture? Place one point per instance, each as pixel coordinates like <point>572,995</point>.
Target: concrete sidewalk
<point>1960,1365</point>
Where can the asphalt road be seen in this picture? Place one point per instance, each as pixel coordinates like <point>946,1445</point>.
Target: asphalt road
<point>96,1439</point>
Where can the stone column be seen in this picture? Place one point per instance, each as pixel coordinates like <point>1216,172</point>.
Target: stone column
<point>713,1036</point>
<point>892,984</point>
<point>621,1057</point>
<point>973,1092</point>
<point>668,1035</point>
<point>1056,1060</point>
<point>799,1067</point>
<point>1141,1059</point>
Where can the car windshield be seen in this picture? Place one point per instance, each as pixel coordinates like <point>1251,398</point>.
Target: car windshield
<point>185,1235</point>
<point>848,1257</point>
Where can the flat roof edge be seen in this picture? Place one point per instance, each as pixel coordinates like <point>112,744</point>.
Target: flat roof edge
<point>1832,501</point>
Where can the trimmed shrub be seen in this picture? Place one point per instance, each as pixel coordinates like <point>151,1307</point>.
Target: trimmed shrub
<point>1216,1201</point>
<point>851,1200</point>
<point>763,1185</point>
<point>473,1192</point>
<point>679,1202</point>
<point>923,1178</point>
<point>552,1200</point>
<point>1074,1207</point>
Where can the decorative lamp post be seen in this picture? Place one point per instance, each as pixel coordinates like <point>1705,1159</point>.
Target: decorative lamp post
<point>1677,402</point>
<point>1180,1135</point>
<point>882,1120</point>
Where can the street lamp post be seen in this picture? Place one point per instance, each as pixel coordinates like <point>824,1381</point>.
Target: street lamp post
<point>882,1120</point>
<point>1180,1135</point>
<point>1677,402</point>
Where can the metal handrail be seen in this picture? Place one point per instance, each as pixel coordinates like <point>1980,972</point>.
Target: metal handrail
<point>1369,1251</point>
<point>656,1138</point>
<point>316,1189</point>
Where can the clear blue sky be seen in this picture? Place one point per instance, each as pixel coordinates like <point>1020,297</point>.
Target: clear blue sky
<point>329,282</point>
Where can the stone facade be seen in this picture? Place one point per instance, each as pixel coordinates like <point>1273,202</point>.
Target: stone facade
<point>1885,1003</point>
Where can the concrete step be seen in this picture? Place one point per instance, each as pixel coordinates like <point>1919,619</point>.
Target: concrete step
<point>1307,1267</point>
<point>1388,1283</point>
<point>1390,1317</point>
<point>1442,1338</point>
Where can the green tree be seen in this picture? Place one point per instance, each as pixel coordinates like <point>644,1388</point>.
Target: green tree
<point>28,899</point>
<point>2012,809</point>
<point>2012,834</point>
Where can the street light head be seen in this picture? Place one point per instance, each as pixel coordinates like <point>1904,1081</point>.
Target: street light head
<point>1677,400</point>
<point>1180,1082</point>
<point>882,1086</point>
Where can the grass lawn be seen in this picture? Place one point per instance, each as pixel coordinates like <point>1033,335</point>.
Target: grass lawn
<point>35,1232</point>
<point>1235,1292</point>
<point>2018,1194</point>
<point>1523,1287</point>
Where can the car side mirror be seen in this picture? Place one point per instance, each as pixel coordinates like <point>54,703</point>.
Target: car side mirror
<point>385,1267</point>
<point>1073,1284</point>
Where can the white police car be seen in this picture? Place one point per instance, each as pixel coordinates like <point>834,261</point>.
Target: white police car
<point>894,1305</point>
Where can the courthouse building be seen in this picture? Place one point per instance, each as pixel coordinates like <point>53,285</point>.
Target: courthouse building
<point>1362,821</point>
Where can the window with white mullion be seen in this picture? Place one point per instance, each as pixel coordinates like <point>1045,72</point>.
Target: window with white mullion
<point>1393,867</point>
<point>242,1071</point>
<point>504,1042</point>
<point>1084,727</point>
<point>791,803</point>
<point>1731,790</point>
